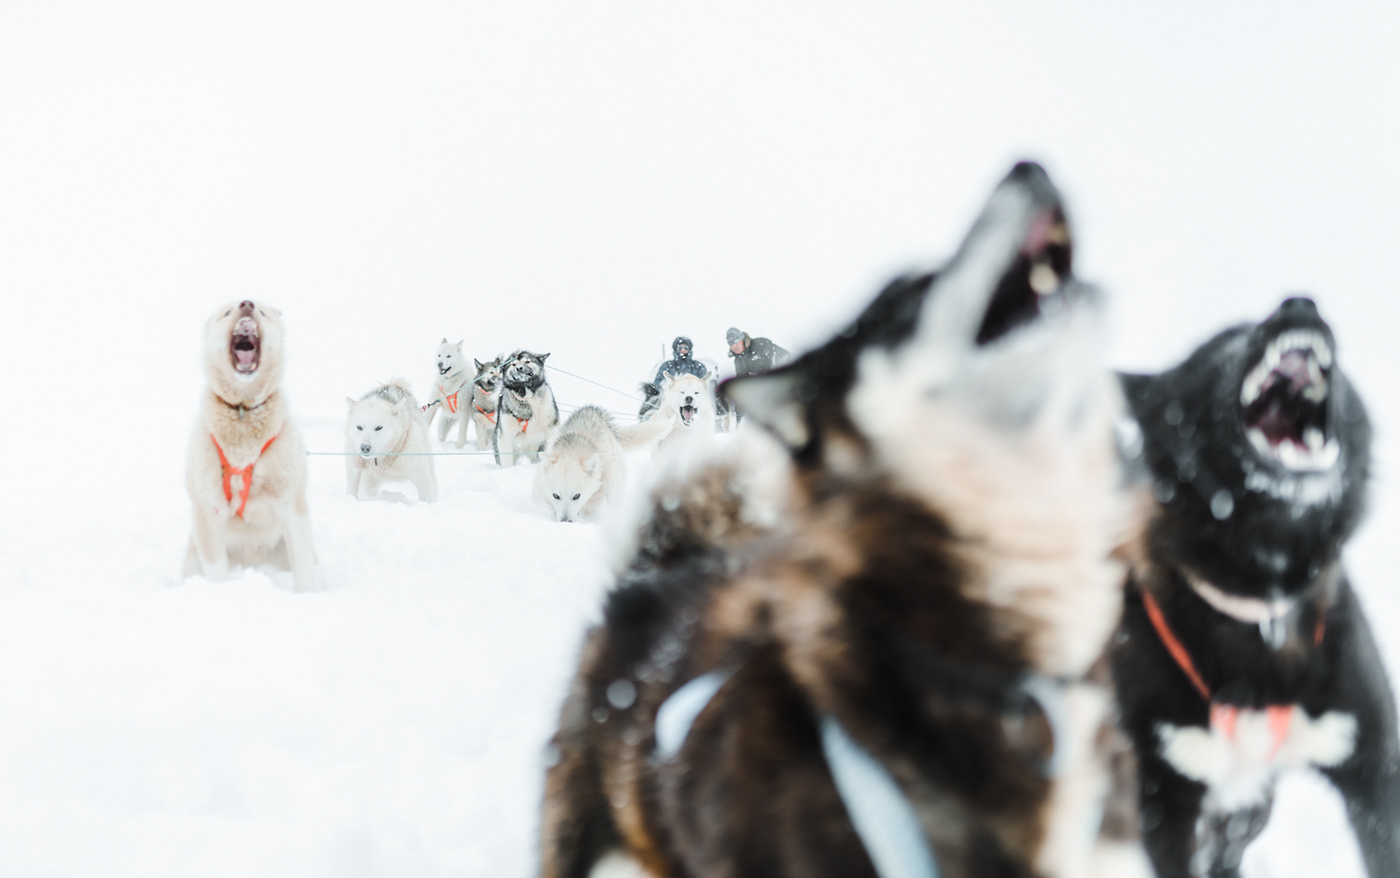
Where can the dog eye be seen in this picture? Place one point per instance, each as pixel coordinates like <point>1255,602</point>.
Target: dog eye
<point>358,427</point>
<point>380,427</point>
<point>576,496</point>
<point>556,496</point>
<point>228,312</point>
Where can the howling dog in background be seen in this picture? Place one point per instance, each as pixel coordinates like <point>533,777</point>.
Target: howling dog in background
<point>688,405</point>
<point>1245,651</point>
<point>386,437</point>
<point>447,402</point>
<point>896,667</point>
<point>527,411</point>
<point>246,467</point>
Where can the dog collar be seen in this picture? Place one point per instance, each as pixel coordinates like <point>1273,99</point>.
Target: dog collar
<point>240,407</point>
<point>1253,611</point>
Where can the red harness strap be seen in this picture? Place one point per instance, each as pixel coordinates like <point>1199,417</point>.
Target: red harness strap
<point>1223,716</point>
<point>490,416</point>
<point>245,471</point>
<point>450,400</point>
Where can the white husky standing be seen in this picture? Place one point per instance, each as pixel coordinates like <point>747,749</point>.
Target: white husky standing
<point>246,467</point>
<point>386,437</point>
<point>527,412</point>
<point>688,403</point>
<point>584,462</point>
<point>451,407</point>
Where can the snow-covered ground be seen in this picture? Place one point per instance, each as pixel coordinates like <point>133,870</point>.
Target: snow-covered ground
<point>589,180</point>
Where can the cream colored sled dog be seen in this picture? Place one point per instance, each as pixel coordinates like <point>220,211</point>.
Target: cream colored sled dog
<point>386,437</point>
<point>246,468</point>
<point>688,403</point>
<point>446,401</point>
<point>584,463</point>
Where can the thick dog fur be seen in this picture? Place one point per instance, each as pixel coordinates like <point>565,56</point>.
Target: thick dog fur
<point>688,403</point>
<point>527,411</point>
<point>386,437</point>
<point>486,396</point>
<point>1242,555</point>
<point>584,464</point>
<point>243,410</point>
<point>937,541</point>
<point>447,402</point>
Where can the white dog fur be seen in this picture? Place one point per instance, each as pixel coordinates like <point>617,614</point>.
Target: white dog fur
<point>446,401</point>
<point>246,466</point>
<point>584,464</point>
<point>386,437</point>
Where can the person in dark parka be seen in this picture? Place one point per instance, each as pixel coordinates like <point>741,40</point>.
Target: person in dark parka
<point>681,363</point>
<point>753,355</point>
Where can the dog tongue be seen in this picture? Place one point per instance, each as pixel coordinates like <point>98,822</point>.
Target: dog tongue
<point>246,359</point>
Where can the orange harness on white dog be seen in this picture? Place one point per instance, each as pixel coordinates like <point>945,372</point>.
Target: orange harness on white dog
<point>245,471</point>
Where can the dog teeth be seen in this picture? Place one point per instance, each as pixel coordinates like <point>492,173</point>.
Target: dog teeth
<point>1309,340</point>
<point>1314,439</point>
<point>1043,279</point>
<point>1315,455</point>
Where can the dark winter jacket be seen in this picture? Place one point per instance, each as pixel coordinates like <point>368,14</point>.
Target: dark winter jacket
<point>760,355</point>
<point>680,364</point>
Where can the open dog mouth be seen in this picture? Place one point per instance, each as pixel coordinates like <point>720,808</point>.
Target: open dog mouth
<point>687,414</point>
<point>1036,278</point>
<point>245,346</point>
<point>1283,402</point>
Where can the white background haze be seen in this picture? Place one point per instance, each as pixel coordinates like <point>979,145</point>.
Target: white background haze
<point>588,180</point>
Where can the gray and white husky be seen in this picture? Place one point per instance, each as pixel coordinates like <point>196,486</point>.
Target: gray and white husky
<point>446,401</point>
<point>486,396</point>
<point>585,464</point>
<point>527,412</point>
<point>386,437</point>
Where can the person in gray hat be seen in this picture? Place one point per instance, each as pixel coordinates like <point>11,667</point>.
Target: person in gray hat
<point>753,355</point>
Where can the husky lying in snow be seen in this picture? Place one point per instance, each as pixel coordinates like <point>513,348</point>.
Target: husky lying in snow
<point>387,436</point>
<point>527,411</point>
<point>246,467</point>
<point>447,402</point>
<point>889,660</point>
<point>486,396</point>
<point>584,464</point>
<point>1245,651</point>
<point>689,405</point>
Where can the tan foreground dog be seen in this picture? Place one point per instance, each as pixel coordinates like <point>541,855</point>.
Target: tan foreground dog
<point>246,468</point>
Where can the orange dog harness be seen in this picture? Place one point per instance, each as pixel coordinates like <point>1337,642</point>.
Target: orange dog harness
<point>245,471</point>
<point>450,400</point>
<point>1222,716</point>
<point>490,416</point>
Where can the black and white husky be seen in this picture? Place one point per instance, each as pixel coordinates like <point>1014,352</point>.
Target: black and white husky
<point>1244,650</point>
<point>526,412</point>
<point>899,672</point>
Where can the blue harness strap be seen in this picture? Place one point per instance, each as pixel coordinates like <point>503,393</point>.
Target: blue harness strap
<point>880,812</point>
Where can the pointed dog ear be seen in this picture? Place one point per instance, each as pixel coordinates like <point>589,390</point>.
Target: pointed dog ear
<point>349,402</point>
<point>591,463</point>
<point>459,344</point>
<point>542,357</point>
<point>444,339</point>
<point>480,366</point>
<point>773,400</point>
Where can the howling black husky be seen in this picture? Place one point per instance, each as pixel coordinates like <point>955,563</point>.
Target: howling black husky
<point>896,668</point>
<point>1245,650</point>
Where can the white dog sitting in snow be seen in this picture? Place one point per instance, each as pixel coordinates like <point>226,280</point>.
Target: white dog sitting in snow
<point>246,468</point>
<point>386,437</point>
<point>583,465</point>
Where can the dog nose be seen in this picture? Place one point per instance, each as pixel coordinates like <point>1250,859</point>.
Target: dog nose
<point>1298,306</point>
<point>364,448</point>
<point>245,306</point>
<point>689,400</point>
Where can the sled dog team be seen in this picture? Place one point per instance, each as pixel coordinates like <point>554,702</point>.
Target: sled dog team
<point>967,604</point>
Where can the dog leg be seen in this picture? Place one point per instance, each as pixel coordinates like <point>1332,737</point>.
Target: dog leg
<point>1370,779</point>
<point>210,539</point>
<point>426,483</point>
<point>301,548</point>
<point>462,429</point>
<point>1170,809</point>
<point>352,478</point>
<point>442,425</point>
